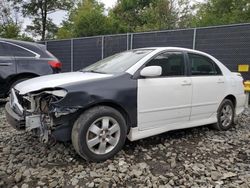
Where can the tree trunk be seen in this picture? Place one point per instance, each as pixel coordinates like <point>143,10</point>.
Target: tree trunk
<point>44,19</point>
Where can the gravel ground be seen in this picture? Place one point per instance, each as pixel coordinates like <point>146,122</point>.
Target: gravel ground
<point>197,157</point>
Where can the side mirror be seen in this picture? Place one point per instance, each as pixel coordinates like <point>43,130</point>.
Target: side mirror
<point>151,71</point>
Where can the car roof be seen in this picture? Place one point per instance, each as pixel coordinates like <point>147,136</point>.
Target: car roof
<point>159,49</point>
<point>19,42</point>
<point>33,46</point>
<point>170,48</point>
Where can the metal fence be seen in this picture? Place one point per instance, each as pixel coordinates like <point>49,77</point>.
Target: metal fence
<point>230,44</point>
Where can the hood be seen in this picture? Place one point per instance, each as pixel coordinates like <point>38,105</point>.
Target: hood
<point>55,80</point>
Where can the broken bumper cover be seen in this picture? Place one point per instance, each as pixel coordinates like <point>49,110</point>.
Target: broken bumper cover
<point>14,119</point>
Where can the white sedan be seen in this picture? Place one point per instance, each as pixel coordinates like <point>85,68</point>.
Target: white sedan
<point>134,94</point>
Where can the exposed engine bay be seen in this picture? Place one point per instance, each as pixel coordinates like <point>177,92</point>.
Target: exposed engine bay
<point>39,111</point>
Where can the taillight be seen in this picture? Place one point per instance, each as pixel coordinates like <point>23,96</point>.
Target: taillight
<point>55,64</point>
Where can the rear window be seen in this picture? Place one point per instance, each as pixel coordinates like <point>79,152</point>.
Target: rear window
<point>20,52</point>
<point>203,66</point>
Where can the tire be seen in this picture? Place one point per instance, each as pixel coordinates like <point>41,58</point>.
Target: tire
<point>89,139</point>
<point>225,116</point>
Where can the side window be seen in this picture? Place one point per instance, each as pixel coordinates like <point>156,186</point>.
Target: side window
<point>201,65</point>
<point>172,63</point>
<point>4,50</point>
<point>20,52</point>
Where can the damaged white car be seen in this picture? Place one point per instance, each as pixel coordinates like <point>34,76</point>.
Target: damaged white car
<point>133,94</point>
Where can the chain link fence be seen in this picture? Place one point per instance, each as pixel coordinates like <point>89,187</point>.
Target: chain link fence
<point>230,44</point>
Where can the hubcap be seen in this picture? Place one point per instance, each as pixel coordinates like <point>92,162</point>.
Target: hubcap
<point>103,135</point>
<point>226,115</point>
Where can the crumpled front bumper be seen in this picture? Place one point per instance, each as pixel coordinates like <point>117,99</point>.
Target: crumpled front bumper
<point>14,119</point>
<point>60,123</point>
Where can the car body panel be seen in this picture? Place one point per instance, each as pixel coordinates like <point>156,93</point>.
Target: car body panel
<point>163,101</point>
<point>150,105</point>
<point>208,92</point>
<point>56,80</point>
<point>7,65</point>
<point>119,90</point>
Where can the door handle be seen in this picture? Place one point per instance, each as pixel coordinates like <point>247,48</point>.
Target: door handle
<point>220,81</point>
<point>5,64</point>
<point>186,83</point>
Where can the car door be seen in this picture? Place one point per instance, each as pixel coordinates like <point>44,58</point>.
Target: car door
<point>7,66</point>
<point>208,86</point>
<point>165,100</point>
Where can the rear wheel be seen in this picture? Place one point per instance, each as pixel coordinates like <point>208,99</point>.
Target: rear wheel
<point>99,133</point>
<point>225,115</point>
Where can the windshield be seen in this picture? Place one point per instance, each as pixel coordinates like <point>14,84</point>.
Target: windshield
<point>118,63</point>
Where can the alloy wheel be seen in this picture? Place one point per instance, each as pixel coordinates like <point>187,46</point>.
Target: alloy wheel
<point>226,115</point>
<point>103,135</point>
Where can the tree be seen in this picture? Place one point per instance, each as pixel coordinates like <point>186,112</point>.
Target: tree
<point>88,19</point>
<point>66,30</point>
<point>129,13</point>
<point>36,31</point>
<point>40,9</point>
<point>186,14</point>
<point>218,12</point>
<point>145,15</point>
<point>161,14</point>
<point>9,23</point>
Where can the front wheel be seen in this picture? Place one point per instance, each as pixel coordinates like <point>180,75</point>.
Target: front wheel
<point>225,115</point>
<point>99,133</point>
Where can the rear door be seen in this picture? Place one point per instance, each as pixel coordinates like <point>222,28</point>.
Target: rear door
<point>7,66</point>
<point>208,86</point>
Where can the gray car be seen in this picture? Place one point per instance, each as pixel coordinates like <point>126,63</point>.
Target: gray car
<point>21,60</point>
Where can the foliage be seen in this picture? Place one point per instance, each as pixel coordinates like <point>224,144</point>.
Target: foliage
<point>88,19</point>
<point>161,14</point>
<point>220,12</point>
<point>35,28</point>
<point>9,23</point>
<point>40,10</point>
<point>129,13</point>
<point>153,14</point>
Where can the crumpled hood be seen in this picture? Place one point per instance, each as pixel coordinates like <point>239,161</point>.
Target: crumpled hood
<point>55,80</point>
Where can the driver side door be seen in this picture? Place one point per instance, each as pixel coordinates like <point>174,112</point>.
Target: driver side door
<point>165,100</point>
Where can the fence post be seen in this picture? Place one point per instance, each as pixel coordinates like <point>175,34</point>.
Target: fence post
<point>194,39</point>
<point>72,55</point>
<point>131,41</point>
<point>102,47</point>
<point>127,41</point>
